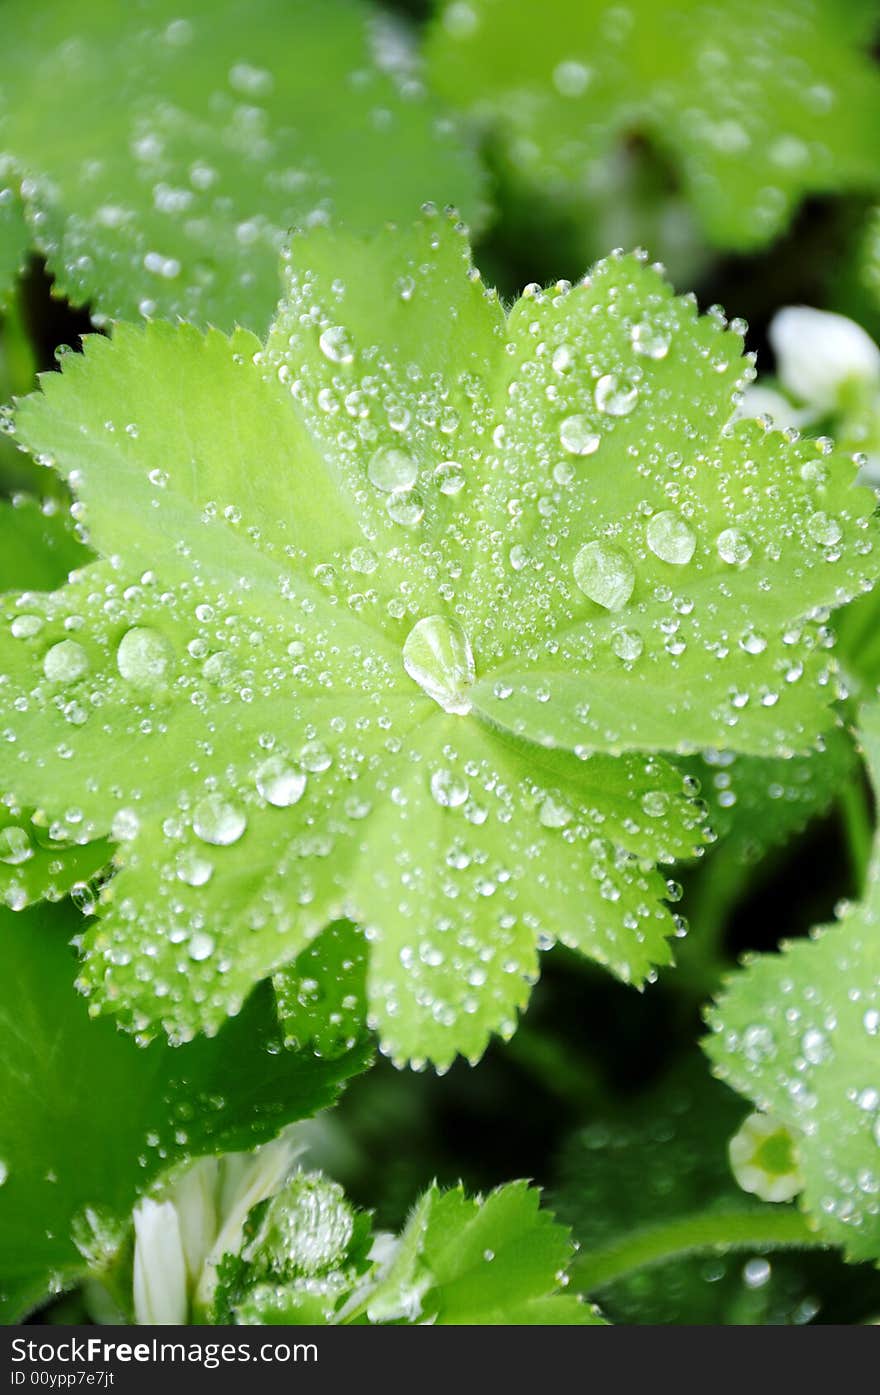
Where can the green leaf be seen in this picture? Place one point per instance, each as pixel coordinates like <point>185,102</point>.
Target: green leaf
<point>482,1261</point>
<point>756,805</point>
<point>39,550</point>
<point>88,1119</point>
<point>38,547</point>
<point>798,1033</point>
<point>322,997</point>
<point>756,104</point>
<point>636,1185</point>
<point>163,150</point>
<point>340,656</point>
<point>498,1260</point>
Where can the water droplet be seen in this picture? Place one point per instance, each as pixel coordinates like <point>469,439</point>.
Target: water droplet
<point>627,645</point>
<point>824,529</point>
<point>578,437</point>
<point>448,789</point>
<point>649,341</point>
<point>335,345</point>
<point>449,477</point>
<point>407,508</point>
<point>615,398</point>
<point>65,662</point>
<point>670,538</point>
<point>217,821</point>
<point>571,78</point>
<point>26,626</point>
<point>437,655</point>
<point>4,1171</point>
<point>125,826</point>
<point>733,547</point>
<point>194,870</point>
<point>280,783</point>
<point>201,946</point>
<point>392,471</point>
<point>143,657</point>
<point>15,845</point>
<point>815,1047</point>
<point>554,813</point>
<point>605,573</point>
<point>315,757</point>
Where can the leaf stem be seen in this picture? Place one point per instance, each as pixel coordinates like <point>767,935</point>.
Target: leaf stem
<point>685,1235</point>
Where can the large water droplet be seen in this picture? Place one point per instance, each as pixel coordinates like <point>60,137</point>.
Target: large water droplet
<point>406,507</point>
<point>605,573</point>
<point>65,662</point>
<point>614,397</point>
<point>15,845</point>
<point>144,657</point>
<point>194,870</point>
<point>627,645</point>
<point>733,547</point>
<point>335,344</point>
<point>217,821</point>
<point>437,655</point>
<point>448,789</point>
<point>649,341</point>
<point>280,783</point>
<point>392,471</point>
<point>670,538</point>
<point>578,437</point>
<point>449,477</point>
<point>201,946</point>
<point>824,529</point>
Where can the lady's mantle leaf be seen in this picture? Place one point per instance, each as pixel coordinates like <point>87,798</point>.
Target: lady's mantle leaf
<point>799,1033</point>
<point>757,102</point>
<point>389,614</point>
<point>163,149</point>
<point>88,1120</point>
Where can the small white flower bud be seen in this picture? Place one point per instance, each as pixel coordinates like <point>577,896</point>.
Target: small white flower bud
<point>817,352</point>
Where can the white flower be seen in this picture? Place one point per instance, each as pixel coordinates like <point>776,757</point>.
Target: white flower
<point>160,1294</point>
<point>181,1238</point>
<point>764,1160</point>
<point>817,352</point>
<point>758,401</point>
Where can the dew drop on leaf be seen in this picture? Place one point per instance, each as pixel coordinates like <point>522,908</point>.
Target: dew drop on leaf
<point>143,657</point>
<point>449,477</point>
<point>217,821</point>
<point>448,790</point>
<point>437,655</point>
<point>15,845</point>
<point>823,529</point>
<point>280,783</point>
<point>65,662</point>
<point>733,546</point>
<point>194,870</point>
<point>670,538</point>
<point>335,344</point>
<point>615,398</point>
<point>605,573</point>
<point>578,437</point>
<point>649,341</point>
<point>201,946</point>
<point>392,470</point>
<point>406,507</point>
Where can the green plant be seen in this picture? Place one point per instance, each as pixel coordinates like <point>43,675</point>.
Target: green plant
<point>396,666</point>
